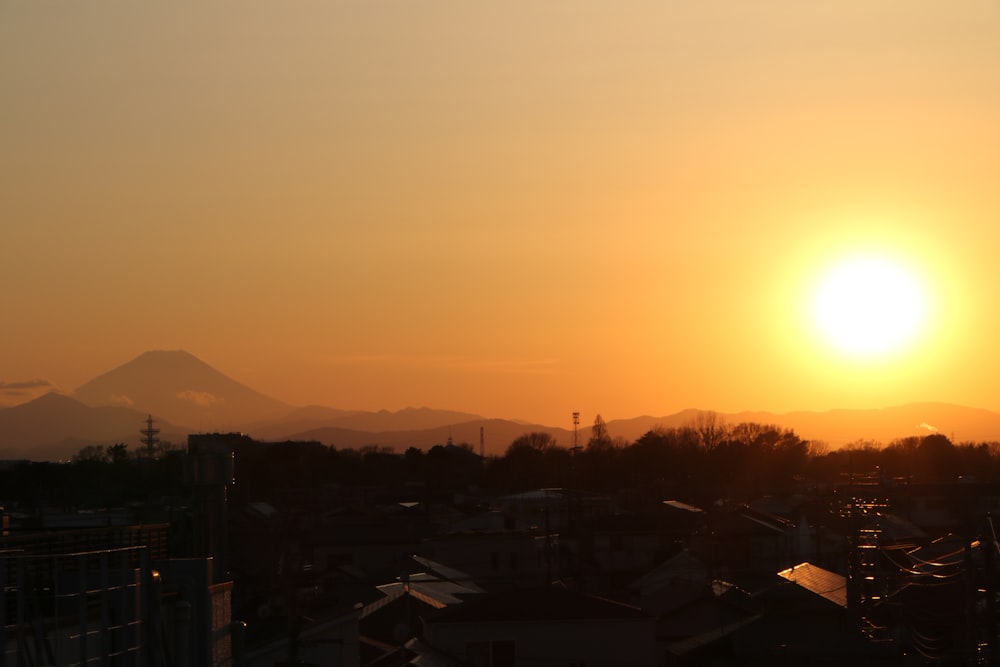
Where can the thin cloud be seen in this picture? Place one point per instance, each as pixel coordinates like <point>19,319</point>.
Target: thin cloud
<point>450,363</point>
<point>517,366</point>
<point>928,427</point>
<point>15,393</point>
<point>200,398</point>
<point>28,384</point>
<point>13,396</point>
<point>121,399</point>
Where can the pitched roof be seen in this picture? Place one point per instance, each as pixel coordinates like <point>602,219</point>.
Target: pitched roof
<point>435,570</point>
<point>716,633</point>
<point>537,604</point>
<point>683,565</point>
<point>824,583</point>
<point>678,505</point>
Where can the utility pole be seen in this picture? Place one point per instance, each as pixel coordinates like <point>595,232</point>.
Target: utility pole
<point>989,545</point>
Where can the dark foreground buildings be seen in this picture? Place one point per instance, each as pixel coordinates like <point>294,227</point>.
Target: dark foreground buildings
<point>287,568</point>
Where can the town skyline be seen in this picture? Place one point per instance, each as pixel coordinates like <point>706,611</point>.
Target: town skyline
<point>514,211</point>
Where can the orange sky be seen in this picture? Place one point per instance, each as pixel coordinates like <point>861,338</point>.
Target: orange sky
<point>515,209</point>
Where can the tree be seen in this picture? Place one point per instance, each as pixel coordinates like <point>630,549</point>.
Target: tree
<point>752,434</point>
<point>92,454</point>
<point>599,438</point>
<point>118,453</point>
<point>711,429</point>
<point>532,460</point>
<point>938,456</point>
<point>537,441</point>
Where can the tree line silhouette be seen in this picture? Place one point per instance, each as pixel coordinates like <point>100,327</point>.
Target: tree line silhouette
<point>701,462</point>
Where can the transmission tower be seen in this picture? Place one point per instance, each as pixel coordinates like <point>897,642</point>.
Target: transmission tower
<point>149,436</point>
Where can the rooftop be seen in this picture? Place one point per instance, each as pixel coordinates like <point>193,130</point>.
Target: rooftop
<point>529,605</point>
<point>824,583</point>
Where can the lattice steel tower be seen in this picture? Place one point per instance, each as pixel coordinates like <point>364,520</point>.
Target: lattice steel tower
<point>149,436</point>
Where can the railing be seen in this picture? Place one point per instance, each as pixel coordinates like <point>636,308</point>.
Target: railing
<point>75,609</point>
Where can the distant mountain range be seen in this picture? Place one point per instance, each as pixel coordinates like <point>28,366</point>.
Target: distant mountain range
<point>185,395</point>
<point>53,427</point>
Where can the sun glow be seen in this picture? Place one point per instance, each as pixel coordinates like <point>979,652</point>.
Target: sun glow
<point>869,306</point>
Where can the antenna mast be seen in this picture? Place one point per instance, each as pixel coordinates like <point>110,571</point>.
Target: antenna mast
<point>576,425</point>
<point>149,436</point>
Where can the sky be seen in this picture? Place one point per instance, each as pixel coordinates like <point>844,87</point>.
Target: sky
<point>519,210</point>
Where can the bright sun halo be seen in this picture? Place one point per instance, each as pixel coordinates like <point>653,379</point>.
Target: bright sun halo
<point>869,306</point>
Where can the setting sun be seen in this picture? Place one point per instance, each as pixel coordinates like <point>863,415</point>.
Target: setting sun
<point>869,306</point>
